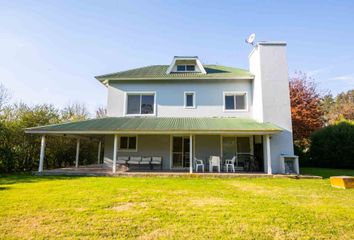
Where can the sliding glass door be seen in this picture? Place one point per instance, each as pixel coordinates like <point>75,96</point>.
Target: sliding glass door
<point>180,152</point>
<point>240,146</point>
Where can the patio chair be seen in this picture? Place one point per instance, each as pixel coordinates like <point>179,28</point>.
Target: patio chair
<point>122,159</point>
<point>198,163</point>
<point>145,161</point>
<point>214,161</point>
<point>230,163</point>
<point>156,161</point>
<point>134,161</point>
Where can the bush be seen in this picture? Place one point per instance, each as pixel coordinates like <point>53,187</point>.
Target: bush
<point>303,155</point>
<point>19,152</point>
<point>333,146</point>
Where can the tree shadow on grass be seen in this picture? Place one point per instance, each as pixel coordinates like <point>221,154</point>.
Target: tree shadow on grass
<point>8,179</point>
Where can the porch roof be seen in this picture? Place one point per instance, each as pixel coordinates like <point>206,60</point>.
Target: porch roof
<point>145,125</point>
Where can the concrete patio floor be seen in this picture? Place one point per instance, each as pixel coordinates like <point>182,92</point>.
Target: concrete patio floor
<point>103,170</point>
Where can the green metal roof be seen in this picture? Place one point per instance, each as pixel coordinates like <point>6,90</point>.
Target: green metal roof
<point>157,124</point>
<point>156,72</point>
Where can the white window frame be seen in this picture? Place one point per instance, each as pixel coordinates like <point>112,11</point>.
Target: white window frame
<point>128,150</point>
<point>185,67</point>
<point>185,99</point>
<point>234,93</point>
<point>139,93</point>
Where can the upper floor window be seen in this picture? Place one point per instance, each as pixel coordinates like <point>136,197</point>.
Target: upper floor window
<point>189,99</point>
<point>140,104</point>
<point>185,68</point>
<point>235,101</point>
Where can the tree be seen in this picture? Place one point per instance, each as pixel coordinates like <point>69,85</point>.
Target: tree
<point>340,107</point>
<point>75,112</point>
<point>101,112</point>
<point>4,96</point>
<point>306,111</point>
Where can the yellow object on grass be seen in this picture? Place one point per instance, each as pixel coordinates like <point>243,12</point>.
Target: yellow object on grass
<point>342,182</point>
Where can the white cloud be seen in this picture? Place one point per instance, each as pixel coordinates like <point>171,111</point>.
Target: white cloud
<point>315,72</point>
<point>348,78</point>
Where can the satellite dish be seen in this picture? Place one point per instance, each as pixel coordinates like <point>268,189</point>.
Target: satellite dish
<point>251,38</point>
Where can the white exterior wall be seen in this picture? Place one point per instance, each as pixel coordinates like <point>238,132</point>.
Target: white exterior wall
<point>206,146</point>
<point>170,97</point>
<point>271,101</point>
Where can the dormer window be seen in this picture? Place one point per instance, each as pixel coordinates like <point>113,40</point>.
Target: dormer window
<point>185,64</point>
<point>185,68</point>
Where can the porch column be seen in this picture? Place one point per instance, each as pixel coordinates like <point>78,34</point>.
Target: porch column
<point>41,155</point>
<point>190,153</point>
<point>269,159</point>
<point>99,153</point>
<point>115,153</point>
<point>77,153</point>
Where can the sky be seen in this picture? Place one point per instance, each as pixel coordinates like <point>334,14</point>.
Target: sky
<point>50,51</point>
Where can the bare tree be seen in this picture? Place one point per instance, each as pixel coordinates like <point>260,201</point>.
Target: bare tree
<point>4,96</point>
<point>101,112</point>
<point>75,112</point>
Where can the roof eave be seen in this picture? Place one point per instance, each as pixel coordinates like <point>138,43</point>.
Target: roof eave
<point>167,131</point>
<point>105,80</point>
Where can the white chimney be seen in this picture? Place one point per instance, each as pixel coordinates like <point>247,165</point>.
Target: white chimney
<point>271,99</point>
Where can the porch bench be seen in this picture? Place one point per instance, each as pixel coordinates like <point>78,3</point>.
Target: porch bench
<point>145,161</point>
<point>156,161</point>
<point>122,160</point>
<point>134,161</point>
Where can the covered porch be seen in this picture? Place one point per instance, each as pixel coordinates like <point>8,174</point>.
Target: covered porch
<point>177,145</point>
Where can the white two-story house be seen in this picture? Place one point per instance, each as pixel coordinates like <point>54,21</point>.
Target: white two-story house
<point>187,111</point>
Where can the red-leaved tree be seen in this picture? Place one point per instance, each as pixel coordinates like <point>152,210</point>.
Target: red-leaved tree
<point>306,111</point>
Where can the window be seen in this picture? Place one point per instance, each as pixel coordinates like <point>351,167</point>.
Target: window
<point>189,99</point>
<point>185,68</point>
<point>140,104</point>
<point>191,68</point>
<point>128,143</point>
<point>181,68</point>
<point>235,101</point>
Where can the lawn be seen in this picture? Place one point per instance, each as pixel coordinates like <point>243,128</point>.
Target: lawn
<point>173,208</point>
<point>327,172</point>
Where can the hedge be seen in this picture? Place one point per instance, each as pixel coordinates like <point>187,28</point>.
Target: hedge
<point>333,146</point>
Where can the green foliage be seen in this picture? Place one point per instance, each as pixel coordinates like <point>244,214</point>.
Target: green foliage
<point>339,107</point>
<point>302,153</point>
<point>20,151</point>
<point>333,146</point>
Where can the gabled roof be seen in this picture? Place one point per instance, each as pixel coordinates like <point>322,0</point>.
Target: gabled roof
<point>143,125</point>
<point>158,72</point>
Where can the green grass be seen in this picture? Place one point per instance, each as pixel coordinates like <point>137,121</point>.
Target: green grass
<point>173,208</point>
<point>327,172</point>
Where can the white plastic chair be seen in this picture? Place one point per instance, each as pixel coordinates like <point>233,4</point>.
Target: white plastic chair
<point>198,163</point>
<point>214,161</point>
<point>230,163</point>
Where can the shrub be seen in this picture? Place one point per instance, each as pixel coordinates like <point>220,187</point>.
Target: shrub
<point>303,155</point>
<point>333,146</point>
